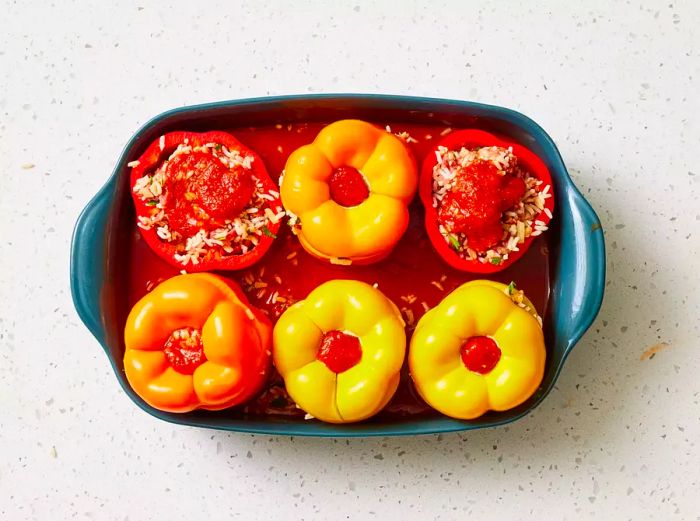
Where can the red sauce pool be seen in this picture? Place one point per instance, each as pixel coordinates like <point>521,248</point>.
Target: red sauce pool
<point>413,276</point>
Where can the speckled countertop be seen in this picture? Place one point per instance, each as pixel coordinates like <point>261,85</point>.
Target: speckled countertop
<point>615,84</point>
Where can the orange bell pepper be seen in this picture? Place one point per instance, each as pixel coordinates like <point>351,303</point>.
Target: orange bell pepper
<point>481,348</point>
<point>340,351</point>
<point>195,342</point>
<point>350,190</point>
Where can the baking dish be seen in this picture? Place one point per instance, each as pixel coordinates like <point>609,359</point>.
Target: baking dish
<point>577,264</point>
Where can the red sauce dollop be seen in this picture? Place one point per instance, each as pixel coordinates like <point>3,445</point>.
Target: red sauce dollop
<point>339,351</point>
<point>476,202</point>
<point>348,186</point>
<point>184,350</point>
<point>212,191</point>
<point>480,354</point>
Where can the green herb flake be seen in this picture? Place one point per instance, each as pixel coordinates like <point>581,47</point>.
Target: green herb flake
<point>495,261</point>
<point>267,232</point>
<point>217,147</point>
<point>511,287</point>
<point>151,203</point>
<point>454,242</point>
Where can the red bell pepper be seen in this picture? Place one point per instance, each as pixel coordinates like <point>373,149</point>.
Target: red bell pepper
<point>159,151</point>
<point>472,139</point>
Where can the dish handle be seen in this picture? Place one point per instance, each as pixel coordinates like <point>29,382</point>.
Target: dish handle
<point>87,260</point>
<point>583,269</point>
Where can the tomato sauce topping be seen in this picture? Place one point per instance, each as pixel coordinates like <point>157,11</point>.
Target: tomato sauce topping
<point>200,190</point>
<point>184,350</point>
<point>339,351</point>
<point>348,186</point>
<point>476,201</point>
<point>480,354</point>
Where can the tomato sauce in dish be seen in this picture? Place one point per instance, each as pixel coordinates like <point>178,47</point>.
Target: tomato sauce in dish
<point>414,276</point>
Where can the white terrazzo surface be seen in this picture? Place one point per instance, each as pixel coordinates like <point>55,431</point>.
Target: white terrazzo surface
<point>615,83</point>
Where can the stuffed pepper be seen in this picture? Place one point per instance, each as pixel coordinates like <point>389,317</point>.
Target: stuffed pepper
<point>348,192</point>
<point>480,349</point>
<point>195,342</point>
<point>485,198</point>
<point>340,351</point>
<point>205,201</point>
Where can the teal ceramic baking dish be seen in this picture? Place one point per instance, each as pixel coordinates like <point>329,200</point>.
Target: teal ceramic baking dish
<point>577,277</point>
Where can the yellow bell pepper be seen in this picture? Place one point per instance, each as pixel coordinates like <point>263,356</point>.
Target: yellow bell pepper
<point>362,233</point>
<point>505,370</point>
<point>331,383</point>
<point>195,342</point>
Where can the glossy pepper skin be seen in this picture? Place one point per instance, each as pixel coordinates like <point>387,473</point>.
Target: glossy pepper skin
<point>477,308</point>
<point>157,152</point>
<point>471,139</point>
<point>236,340</point>
<point>364,389</point>
<point>364,233</point>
